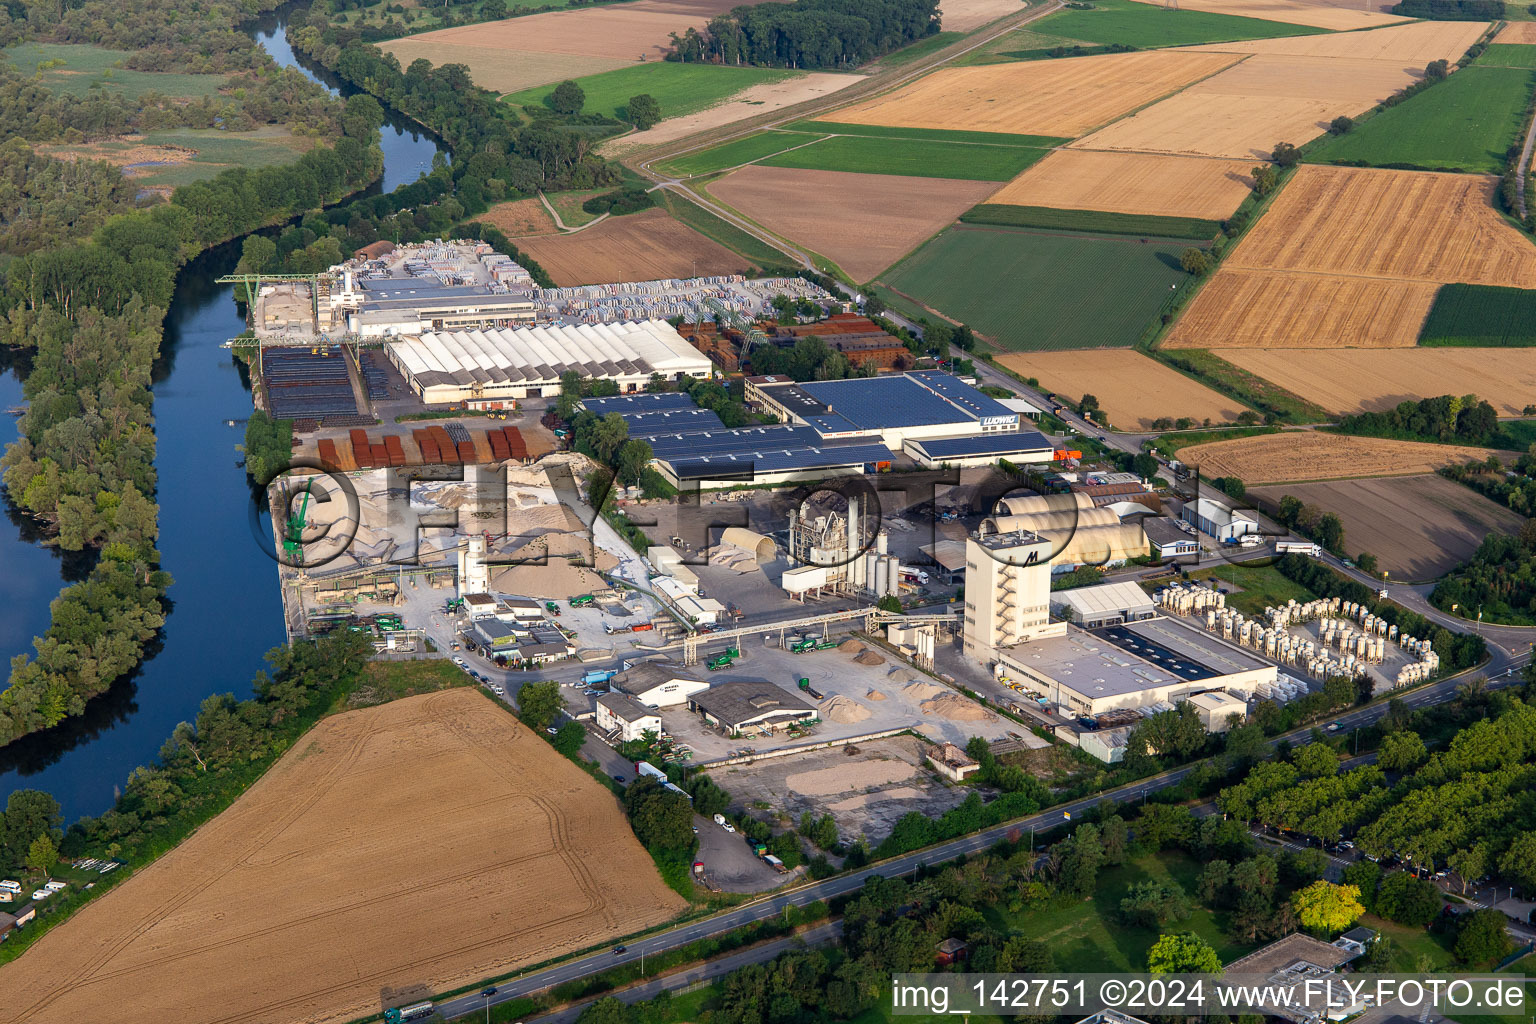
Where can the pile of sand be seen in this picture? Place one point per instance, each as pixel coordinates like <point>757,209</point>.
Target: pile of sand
<point>850,778</point>
<point>845,710</point>
<point>850,647</point>
<point>953,706</point>
<point>875,695</point>
<point>555,580</point>
<point>729,556</point>
<point>869,658</point>
<point>922,689</point>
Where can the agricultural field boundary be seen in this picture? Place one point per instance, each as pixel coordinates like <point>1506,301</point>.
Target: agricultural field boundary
<point>1480,316</point>
<point>1093,221</point>
<point>1231,380</point>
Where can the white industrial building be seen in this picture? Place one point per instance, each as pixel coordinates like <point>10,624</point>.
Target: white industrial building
<point>1007,592</point>
<point>1216,708</point>
<point>1219,520</point>
<point>658,685</point>
<point>1108,604</point>
<point>1075,530</point>
<point>624,718</point>
<point>527,362</point>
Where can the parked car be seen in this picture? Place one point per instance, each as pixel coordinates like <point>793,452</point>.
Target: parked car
<point>551,730</point>
<point>620,950</point>
<point>618,778</point>
<point>459,662</point>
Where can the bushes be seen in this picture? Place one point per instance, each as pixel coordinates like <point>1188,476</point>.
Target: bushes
<point>631,199</point>
<point>268,446</point>
<point>1451,10</point>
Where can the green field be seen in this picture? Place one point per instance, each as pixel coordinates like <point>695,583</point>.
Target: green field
<point>1097,221</point>
<point>1125,23</point>
<point>679,88</point>
<point>752,250</point>
<point>1040,291</point>
<point>218,151</point>
<point>1508,55</point>
<point>88,68</point>
<point>1481,316</point>
<point>875,149</point>
<point>1465,123</point>
<point>1248,388</point>
<point>921,48</point>
<point>1259,586</point>
<point>913,158</point>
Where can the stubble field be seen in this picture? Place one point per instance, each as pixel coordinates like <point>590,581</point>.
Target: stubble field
<point>1134,183</point>
<point>964,15</point>
<point>393,852</point>
<point>520,217</point>
<point>1359,235</point>
<point>1413,43</point>
<point>644,246</point>
<point>1299,455</point>
<point>1296,12</point>
<point>1132,389</point>
<point>1362,379</point>
<point>1418,527</point>
<point>1052,97</point>
<point>1243,111</point>
<point>1518,32</point>
<point>863,222</point>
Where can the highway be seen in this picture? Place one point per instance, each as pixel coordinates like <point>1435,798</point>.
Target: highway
<point>776,903</point>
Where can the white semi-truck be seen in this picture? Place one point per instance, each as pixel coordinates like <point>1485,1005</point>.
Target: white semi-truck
<point>1298,547</point>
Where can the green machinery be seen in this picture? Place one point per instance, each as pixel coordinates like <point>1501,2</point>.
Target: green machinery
<point>293,539</point>
<point>827,644</point>
<point>455,603</point>
<point>801,646</point>
<point>582,600</point>
<point>724,659</point>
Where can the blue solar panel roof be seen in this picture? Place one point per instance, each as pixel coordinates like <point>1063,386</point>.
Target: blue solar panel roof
<point>780,460</point>
<point>718,442</point>
<point>671,421</point>
<point>638,403</point>
<point>926,398</point>
<point>1009,443</point>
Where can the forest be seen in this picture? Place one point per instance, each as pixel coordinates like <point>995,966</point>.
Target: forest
<point>808,33</point>
<point>1448,419</point>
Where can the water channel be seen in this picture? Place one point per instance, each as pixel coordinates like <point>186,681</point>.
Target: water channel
<point>225,611</point>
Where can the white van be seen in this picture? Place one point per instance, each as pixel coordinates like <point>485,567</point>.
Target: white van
<point>56,886</point>
<point>719,819</point>
<point>9,885</point>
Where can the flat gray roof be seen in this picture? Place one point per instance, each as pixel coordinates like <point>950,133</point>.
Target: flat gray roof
<point>1197,645</point>
<point>1090,665</point>
<point>626,707</point>
<point>736,704</point>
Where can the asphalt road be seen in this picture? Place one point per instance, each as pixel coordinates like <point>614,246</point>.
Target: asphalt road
<point>776,903</point>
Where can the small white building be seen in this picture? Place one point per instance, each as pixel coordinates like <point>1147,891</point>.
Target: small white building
<point>1219,520</point>
<point>1215,708</point>
<point>521,609</point>
<point>658,684</point>
<point>624,718</point>
<point>480,606</point>
<point>1108,604</point>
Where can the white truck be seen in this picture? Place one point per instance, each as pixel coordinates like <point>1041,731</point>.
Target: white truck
<point>1298,547</point>
<point>912,574</point>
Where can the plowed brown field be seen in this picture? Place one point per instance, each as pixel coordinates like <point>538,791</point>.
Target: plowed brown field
<point>1132,389</point>
<point>1245,110</point>
<point>1517,32</point>
<point>393,852</point>
<point>1044,97</point>
<point>644,246</point>
<point>1414,43</point>
<point>1312,455</point>
<point>863,222</point>
<point>520,53</point>
<point>1418,527</point>
<point>1168,186</point>
<point>1356,380</point>
<point>1271,309</point>
<point>1296,12</point>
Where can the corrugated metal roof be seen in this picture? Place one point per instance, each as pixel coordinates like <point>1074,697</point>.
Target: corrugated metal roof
<point>779,460</point>
<point>914,399</point>
<point>713,442</point>
<point>1003,444</point>
<point>645,402</point>
<point>671,421</point>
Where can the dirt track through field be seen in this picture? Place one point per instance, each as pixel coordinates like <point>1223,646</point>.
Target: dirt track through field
<point>863,222</point>
<point>1063,98</point>
<point>645,246</point>
<point>1313,455</point>
<point>1295,12</point>
<point>1167,186</point>
<point>1243,111</point>
<point>758,99</point>
<point>1132,389</point>
<point>1357,380</point>
<point>1418,527</point>
<point>402,849</point>
<point>1350,256</point>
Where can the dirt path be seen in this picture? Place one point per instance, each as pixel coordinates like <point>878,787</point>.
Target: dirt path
<point>1525,168</point>
<point>562,224</point>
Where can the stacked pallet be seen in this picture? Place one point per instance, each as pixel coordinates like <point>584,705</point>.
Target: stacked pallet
<point>498,442</point>
<point>394,450</point>
<point>517,448</point>
<point>362,452</point>
<point>447,450</point>
<point>328,453</point>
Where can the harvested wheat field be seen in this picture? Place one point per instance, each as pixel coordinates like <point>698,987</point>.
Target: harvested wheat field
<point>1296,12</point>
<point>1048,97</point>
<point>964,15</point>
<point>863,222</point>
<point>397,850</point>
<point>1166,186</point>
<point>1359,380</point>
<point>644,246</point>
<point>1418,527</point>
<point>520,53</point>
<point>1132,389</point>
<point>1414,43</point>
<point>754,100</point>
<point>1312,455</point>
<point>520,217</point>
<point>1400,224</point>
<point>1245,110</point>
<point>1275,309</point>
<point>1517,32</point>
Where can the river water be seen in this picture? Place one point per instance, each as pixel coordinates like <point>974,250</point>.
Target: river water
<point>225,610</point>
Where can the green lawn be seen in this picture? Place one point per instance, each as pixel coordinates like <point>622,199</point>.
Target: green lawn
<point>1261,586</point>
<point>217,151</point>
<point>1042,291</point>
<point>732,154</point>
<point>1482,316</point>
<point>679,88</point>
<point>914,158</point>
<point>753,251</point>
<point>87,68</point>
<point>1097,221</point>
<point>1465,123</point>
<point>921,48</point>
<point>1091,937</point>
<point>1508,55</point>
<point>1410,943</point>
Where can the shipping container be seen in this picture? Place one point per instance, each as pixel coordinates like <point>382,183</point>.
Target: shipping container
<point>467,453</point>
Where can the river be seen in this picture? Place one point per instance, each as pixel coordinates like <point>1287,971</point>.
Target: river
<point>225,611</point>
